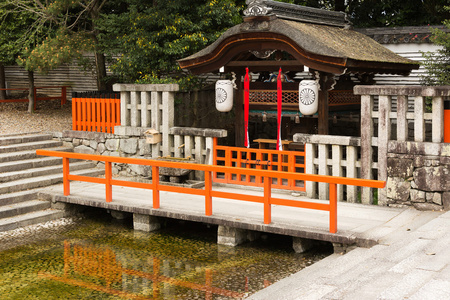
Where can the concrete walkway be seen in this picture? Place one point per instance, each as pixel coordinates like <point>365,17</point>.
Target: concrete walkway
<point>409,263</point>
<point>403,253</point>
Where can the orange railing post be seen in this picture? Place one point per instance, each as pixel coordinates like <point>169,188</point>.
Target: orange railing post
<point>108,177</point>
<point>267,197</point>
<point>108,114</point>
<point>208,198</point>
<point>74,111</point>
<point>89,116</point>
<point>66,182</point>
<point>155,184</point>
<point>333,207</point>
<point>156,269</point>
<point>98,126</point>
<point>208,284</point>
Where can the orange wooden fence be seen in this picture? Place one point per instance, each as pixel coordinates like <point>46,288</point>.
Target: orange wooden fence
<point>63,95</point>
<point>259,159</point>
<point>208,192</point>
<point>95,112</point>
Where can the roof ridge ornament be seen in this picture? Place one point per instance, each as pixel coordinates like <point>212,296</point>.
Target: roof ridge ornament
<point>256,8</point>
<point>299,13</point>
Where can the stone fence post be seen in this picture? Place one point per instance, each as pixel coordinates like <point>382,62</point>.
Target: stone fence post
<point>343,162</point>
<point>379,115</point>
<point>144,106</point>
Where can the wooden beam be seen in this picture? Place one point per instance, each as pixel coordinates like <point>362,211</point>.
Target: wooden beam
<point>265,65</point>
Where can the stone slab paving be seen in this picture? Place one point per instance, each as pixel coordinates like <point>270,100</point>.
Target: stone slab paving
<point>411,259</point>
<point>406,264</point>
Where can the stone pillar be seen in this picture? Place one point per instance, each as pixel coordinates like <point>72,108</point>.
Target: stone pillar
<point>145,223</point>
<point>230,236</point>
<point>301,245</point>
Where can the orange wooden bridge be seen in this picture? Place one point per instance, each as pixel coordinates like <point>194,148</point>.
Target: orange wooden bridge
<point>208,192</point>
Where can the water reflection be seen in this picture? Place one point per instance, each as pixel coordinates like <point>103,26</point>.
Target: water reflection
<point>92,259</point>
<point>85,264</point>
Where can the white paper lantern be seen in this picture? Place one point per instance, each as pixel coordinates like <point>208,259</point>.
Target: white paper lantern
<point>308,94</point>
<point>224,95</point>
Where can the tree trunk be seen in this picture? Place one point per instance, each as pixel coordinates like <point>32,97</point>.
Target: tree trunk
<point>2,82</point>
<point>100,62</point>
<point>100,68</point>
<point>31,92</point>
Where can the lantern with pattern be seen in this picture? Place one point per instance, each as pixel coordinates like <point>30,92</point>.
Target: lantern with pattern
<point>308,93</point>
<point>224,95</point>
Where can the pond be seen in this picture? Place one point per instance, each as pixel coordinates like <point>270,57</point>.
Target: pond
<point>96,257</point>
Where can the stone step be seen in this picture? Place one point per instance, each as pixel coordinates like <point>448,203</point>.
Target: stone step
<point>30,146</point>
<point>32,218</point>
<point>8,211</point>
<point>42,181</point>
<point>26,138</point>
<point>29,154</point>
<point>29,164</point>
<point>48,170</point>
<point>12,198</point>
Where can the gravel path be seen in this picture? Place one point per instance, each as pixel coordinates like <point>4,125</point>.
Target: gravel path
<point>48,117</point>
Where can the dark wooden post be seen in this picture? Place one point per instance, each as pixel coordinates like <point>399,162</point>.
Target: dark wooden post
<point>327,82</point>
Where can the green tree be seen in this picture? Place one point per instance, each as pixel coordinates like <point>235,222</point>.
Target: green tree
<point>376,13</point>
<point>67,30</point>
<point>437,64</point>
<point>13,27</point>
<point>150,36</point>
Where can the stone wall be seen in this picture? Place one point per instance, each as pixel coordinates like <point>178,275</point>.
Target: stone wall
<point>418,175</point>
<point>183,142</point>
<point>112,145</point>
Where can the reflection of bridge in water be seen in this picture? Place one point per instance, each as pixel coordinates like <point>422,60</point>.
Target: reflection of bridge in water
<point>100,269</point>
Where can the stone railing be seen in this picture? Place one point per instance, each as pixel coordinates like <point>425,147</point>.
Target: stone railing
<point>410,117</point>
<point>144,106</point>
<point>196,143</point>
<point>331,155</point>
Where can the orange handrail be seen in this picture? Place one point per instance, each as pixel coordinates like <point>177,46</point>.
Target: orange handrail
<point>208,192</point>
<point>63,96</point>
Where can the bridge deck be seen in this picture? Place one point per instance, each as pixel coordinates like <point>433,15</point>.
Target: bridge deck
<point>357,223</point>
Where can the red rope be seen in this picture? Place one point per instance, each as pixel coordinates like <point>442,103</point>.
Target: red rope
<point>246,106</point>
<point>279,108</point>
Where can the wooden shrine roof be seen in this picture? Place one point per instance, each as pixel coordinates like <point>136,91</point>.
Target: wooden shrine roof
<point>321,44</point>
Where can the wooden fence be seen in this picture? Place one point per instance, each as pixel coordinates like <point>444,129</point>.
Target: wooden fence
<point>260,159</point>
<point>98,112</point>
<point>62,96</point>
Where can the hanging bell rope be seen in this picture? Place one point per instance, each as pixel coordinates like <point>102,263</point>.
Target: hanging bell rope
<point>246,106</point>
<point>279,109</point>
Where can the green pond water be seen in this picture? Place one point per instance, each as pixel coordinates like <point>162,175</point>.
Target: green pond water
<point>96,257</point>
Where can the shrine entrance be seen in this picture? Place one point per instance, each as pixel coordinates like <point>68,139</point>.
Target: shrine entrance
<point>304,44</point>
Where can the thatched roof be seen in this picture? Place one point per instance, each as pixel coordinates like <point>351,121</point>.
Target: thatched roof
<point>321,45</point>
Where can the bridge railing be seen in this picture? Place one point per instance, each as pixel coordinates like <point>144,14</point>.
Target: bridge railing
<point>208,191</point>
